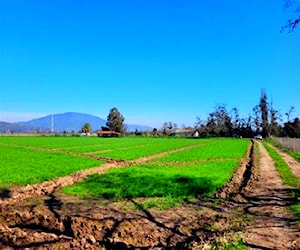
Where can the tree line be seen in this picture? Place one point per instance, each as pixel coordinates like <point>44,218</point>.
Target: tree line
<point>264,120</point>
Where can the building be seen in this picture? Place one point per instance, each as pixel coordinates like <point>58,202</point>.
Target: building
<point>186,132</point>
<point>108,133</point>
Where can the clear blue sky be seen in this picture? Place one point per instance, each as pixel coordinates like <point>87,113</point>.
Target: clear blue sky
<point>155,60</point>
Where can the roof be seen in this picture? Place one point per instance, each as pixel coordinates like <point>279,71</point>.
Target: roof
<point>185,130</point>
<point>109,132</point>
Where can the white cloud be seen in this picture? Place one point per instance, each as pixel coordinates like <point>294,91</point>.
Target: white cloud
<point>7,116</point>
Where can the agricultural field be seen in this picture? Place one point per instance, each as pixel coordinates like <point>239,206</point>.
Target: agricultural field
<point>22,166</point>
<point>36,159</point>
<point>76,192</point>
<point>194,172</point>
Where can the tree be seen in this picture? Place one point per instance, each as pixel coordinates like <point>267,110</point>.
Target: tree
<point>169,128</point>
<point>288,114</point>
<point>86,128</point>
<point>293,22</point>
<point>219,122</point>
<point>292,128</point>
<point>200,127</point>
<point>274,127</point>
<point>256,119</point>
<point>263,104</point>
<point>211,125</point>
<point>236,120</point>
<point>154,132</point>
<point>245,127</point>
<point>115,121</point>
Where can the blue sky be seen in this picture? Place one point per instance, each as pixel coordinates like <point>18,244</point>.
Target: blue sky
<point>155,60</point>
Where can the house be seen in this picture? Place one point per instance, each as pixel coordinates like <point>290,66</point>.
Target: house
<point>108,133</point>
<point>186,132</point>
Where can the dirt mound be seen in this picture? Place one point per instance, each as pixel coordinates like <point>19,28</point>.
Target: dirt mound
<point>56,222</point>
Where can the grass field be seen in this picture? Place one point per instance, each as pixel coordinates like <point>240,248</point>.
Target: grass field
<point>150,180</point>
<point>188,174</point>
<point>194,172</point>
<point>19,166</point>
<point>213,149</point>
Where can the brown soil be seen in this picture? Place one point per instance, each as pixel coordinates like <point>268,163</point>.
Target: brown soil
<point>40,217</point>
<point>272,224</point>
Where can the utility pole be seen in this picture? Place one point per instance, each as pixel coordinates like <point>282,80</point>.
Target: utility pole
<point>52,124</point>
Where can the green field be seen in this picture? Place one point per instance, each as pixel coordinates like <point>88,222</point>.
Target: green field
<point>169,180</point>
<point>214,149</point>
<point>151,180</point>
<point>198,169</point>
<point>21,166</point>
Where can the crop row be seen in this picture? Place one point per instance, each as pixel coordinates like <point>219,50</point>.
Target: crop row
<point>163,185</point>
<point>87,144</point>
<point>19,166</point>
<point>150,180</point>
<point>22,163</point>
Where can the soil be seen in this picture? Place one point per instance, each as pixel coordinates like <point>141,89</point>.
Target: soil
<point>272,224</point>
<point>252,206</point>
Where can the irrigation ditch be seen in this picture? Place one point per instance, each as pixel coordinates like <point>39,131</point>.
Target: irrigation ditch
<point>39,216</point>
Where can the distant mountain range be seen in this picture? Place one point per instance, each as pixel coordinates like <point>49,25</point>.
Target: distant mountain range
<point>69,122</point>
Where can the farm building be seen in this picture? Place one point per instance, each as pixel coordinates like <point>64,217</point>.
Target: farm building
<point>108,133</point>
<point>186,132</point>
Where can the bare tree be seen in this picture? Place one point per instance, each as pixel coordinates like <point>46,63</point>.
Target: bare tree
<point>274,127</point>
<point>294,21</point>
<point>169,128</point>
<point>263,104</point>
<point>219,122</point>
<point>236,123</point>
<point>256,118</point>
<point>288,114</point>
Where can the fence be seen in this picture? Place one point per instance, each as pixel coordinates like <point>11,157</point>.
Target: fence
<point>292,143</point>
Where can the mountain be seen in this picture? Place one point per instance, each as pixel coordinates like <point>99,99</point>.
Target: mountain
<point>65,122</point>
<point>16,128</point>
<point>69,122</point>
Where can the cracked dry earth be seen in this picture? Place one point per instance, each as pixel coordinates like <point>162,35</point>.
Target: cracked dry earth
<point>253,205</point>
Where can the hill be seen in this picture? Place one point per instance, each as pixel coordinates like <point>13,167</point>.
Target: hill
<point>16,128</point>
<point>70,122</point>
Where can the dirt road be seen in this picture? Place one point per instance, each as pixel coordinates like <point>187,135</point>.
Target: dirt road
<point>272,223</point>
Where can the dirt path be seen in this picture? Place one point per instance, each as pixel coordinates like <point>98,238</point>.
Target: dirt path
<point>268,201</point>
<point>293,164</point>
